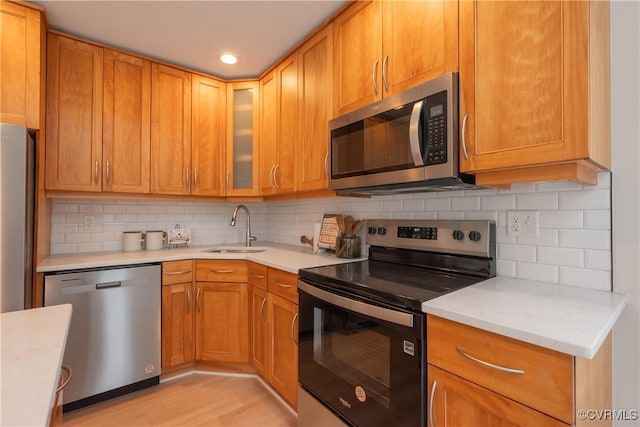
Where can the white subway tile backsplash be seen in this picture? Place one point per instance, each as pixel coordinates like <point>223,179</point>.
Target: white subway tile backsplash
<point>597,220</point>
<point>584,278</point>
<point>502,202</point>
<point>485,215</point>
<point>505,268</point>
<point>587,239</point>
<point>604,181</point>
<point>558,186</point>
<point>77,237</point>
<point>467,203</point>
<point>560,256</point>
<point>91,209</point>
<point>58,218</point>
<point>450,215</point>
<point>520,188</point>
<point>546,237</point>
<point>541,272</point>
<point>438,204</point>
<point>560,219</point>
<point>64,228</point>
<point>63,248</point>
<point>61,207</point>
<point>90,247</point>
<point>597,260</point>
<point>533,201</point>
<point>586,199</point>
<point>412,205</point>
<point>114,209</point>
<point>516,252</point>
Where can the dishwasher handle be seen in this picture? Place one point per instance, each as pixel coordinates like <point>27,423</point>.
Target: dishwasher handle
<point>107,285</point>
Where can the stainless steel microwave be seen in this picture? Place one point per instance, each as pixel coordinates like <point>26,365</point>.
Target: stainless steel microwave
<point>407,142</point>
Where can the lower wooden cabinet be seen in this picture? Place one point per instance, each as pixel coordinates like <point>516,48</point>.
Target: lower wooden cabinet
<point>259,330</point>
<point>283,330</point>
<point>177,325</point>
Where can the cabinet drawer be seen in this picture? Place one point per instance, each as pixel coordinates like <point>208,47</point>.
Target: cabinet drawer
<point>283,284</point>
<point>221,271</point>
<point>177,272</point>
<point>257,275</point>
<point>539,378</point>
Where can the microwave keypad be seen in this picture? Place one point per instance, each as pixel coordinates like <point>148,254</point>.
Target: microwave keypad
<point>437,136</point>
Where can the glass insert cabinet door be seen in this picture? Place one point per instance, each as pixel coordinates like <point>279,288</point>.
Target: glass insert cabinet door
<point>242,139</point>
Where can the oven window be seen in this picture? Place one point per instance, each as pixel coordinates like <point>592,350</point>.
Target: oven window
<point>354,349</point>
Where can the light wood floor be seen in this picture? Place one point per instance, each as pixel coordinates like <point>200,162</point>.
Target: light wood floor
<point>195,400</point>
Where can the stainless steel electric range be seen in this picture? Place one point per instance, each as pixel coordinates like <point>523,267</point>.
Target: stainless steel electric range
<point>362,333</point>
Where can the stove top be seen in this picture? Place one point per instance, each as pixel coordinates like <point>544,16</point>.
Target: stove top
<point>412,261</point>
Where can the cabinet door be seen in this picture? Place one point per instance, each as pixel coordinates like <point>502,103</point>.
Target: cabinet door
<point>284,173</point>
<point>315,75</point>
<point>208,141</point>
<point>222,322</point>
<point>523,74</point>
<point>177,324</point>
<point>170,130</point>
<point>74,115</point>
<point>356,57</point>
<point>259,330</point>
<point>126,146</point>
<point>283,369</point>
<point>457,402</point>
<point>268,149</point>
<point>420,42</point>
<point>20,35</point>
<point>243,136</point>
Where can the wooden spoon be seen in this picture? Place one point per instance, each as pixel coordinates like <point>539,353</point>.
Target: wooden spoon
<point>340,221</point>
<point>357,225</point>
<point>348,225</point>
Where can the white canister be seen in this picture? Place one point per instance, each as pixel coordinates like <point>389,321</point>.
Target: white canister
<point>132,240</point>
<point>155,239</point>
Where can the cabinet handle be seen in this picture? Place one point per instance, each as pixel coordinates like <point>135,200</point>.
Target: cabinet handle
<point>374,77</point>
<point>293,324</point>
<point>108,172</point>
<point>257,276</point>
<point>176,273</point>
<point>195,178</point>
<point>275,177</point>
<point>198,300</point>
<point>221,271</point>
<point>67,370</point>
<point>271,176</point>
<point>415,132</point>
<point>433,394</point>
<point>464,142</point>
<point>95,174</point>
<point>490,365</point>
<point>282,285</point>
<point>385,65</point>
<point>188,178</point>
<point>188,300</point>
<point>326,164</point>
<point>264,322</point>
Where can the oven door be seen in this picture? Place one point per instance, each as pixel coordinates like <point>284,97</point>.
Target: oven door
<point>365,362</point>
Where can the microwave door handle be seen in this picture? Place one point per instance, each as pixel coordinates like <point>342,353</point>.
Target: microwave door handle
<point>414,134</point>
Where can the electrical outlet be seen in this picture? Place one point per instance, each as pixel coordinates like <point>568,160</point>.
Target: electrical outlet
<point>522,223</point>
<point>89,223</point>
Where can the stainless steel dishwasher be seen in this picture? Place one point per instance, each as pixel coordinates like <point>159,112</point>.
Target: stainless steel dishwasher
<point>114,338</point>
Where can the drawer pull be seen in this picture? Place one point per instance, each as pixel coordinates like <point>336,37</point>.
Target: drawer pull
<point>69,373</point>
<point>230,270</point>
<point>433,394</point>
<point>282,285</point>
<point>257,276</point>
<point>490,365</point>
<point>175,273</point>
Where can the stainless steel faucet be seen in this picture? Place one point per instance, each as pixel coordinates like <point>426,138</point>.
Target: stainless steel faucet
<point>249,237</point>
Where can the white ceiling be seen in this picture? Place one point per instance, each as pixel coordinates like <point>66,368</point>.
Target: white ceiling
<point>195,33</point>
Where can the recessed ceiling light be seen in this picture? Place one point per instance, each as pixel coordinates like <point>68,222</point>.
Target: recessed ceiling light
<point>228,58</point>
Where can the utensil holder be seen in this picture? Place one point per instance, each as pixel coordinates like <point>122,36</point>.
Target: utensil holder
<point>348,246</point>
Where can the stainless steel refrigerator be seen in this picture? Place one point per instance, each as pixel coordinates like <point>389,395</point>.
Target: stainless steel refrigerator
<point>17,200</point>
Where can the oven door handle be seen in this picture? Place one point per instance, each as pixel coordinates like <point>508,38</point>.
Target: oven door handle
<point>414,134</point>
<point>381,313</point>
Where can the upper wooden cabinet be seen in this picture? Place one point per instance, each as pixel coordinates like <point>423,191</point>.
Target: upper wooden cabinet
<point>74,115</point>
<point>278,149</point>
<point>384,47</point>
<point>315,75</point>
<point>243,133</point>
<point>208,139</point>
<point>126,146</point>
<point>534,90</point>
<point>22,67</point>
<point>170,130</point>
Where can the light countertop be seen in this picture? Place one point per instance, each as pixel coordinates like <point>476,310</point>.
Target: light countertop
<point>289,258</point>
<point>567,319</point>
<point>33,343</point>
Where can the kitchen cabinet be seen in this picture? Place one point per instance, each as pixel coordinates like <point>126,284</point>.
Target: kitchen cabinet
<point>22,33</point>
<point>170,130</point>
<point>383,47</point>
<point>488,378</point>
<point>208,140</point>
<point>315,75</point>
<point>534,91</point>
<point>74,115</point>
<point>283,366</point>
<point>260,343</point>
<point>222,311</point>
<point>277,149</point>
<point>243,136</point>
<point>126,145</point>
<point>177,314</point>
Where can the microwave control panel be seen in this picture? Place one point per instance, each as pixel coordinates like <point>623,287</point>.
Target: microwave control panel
<point>434,113</point>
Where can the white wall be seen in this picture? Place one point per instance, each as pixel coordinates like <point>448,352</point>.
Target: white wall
<point>625,121</point>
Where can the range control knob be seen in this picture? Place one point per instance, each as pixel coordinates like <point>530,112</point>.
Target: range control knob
<point>382,231</point>
<point>371,230</point>
<point>475,236</point>
<point>458,235</point>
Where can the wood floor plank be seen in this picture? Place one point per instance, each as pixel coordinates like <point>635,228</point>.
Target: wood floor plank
<point>194,400</point>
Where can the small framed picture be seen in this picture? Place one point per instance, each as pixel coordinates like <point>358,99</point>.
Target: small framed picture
<point>328,232</point>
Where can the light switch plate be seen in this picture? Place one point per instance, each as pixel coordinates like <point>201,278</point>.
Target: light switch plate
<point>522,224</point>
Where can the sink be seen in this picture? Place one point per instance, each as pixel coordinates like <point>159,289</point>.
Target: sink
<point>235,250</point>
